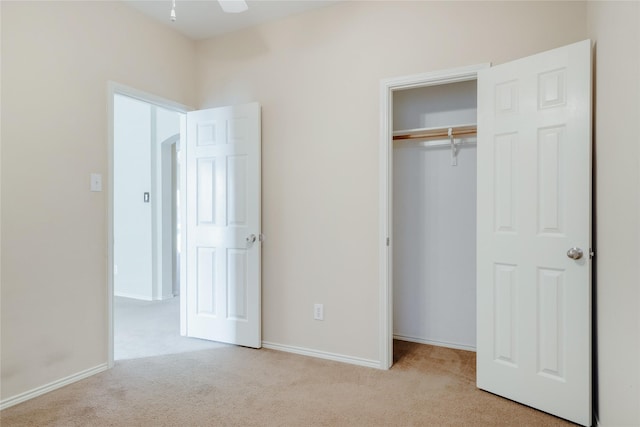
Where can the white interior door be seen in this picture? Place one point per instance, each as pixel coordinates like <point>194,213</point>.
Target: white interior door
<point>223,225</point>
<point>534,205</point>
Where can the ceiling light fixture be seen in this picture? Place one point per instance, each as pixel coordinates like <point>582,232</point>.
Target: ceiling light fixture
<point>233,6</point>
<point>228,6</point>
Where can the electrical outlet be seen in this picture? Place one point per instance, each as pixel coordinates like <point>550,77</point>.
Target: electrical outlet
<point>318,312</point>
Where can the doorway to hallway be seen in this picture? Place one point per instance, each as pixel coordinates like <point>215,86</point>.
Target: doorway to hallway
<point>145,305</point>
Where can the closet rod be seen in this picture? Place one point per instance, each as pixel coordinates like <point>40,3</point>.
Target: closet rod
<point>437,133</point>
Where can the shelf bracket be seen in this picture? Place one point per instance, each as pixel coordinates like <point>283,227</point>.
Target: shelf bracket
<point>454,149</point>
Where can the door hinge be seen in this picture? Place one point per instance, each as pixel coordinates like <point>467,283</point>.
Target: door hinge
<point>387,241</point>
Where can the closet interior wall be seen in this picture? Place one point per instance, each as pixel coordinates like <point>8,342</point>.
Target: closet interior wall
<point>434,219</point>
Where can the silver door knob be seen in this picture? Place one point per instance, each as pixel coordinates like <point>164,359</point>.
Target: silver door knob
<point>574,253</point>
<point>251,239</point>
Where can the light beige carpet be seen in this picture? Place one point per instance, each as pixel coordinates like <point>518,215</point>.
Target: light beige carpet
<point>235,386</point>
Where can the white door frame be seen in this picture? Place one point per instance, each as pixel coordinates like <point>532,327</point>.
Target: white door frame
<point>167,253</point>
<point>387,87</point>
<point>114,88</point>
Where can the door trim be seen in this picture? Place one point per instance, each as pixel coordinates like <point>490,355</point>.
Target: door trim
<point>114,88</point>
<point>387,87</point>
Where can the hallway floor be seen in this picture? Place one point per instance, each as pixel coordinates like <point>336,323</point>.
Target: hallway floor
<point>151,328</point>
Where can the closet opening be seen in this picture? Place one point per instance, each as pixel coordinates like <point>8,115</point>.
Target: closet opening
<point>533,223</point>
<point>429,216</point>
<point>434,215</point>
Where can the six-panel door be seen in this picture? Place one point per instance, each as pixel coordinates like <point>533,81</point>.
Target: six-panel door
<point>222,225</point>
<point>534,204</point>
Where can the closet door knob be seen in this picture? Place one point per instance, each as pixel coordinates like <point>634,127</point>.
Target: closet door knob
<point>574,253</point>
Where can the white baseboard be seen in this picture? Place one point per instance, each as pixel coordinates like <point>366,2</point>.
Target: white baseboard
<point>436,343</point>
<point>322,355</point>
<point>133,296</point>
<point>39,391</point>
<point>145,297</point>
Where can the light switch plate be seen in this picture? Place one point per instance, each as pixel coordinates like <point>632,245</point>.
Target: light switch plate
<point>96,182</point>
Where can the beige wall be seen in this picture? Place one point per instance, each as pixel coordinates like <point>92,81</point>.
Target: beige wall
<point>56,60</point>
<point>317,76</point>
<point>615,28</point>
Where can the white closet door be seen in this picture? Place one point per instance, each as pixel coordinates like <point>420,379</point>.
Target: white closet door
<point>534,206</point>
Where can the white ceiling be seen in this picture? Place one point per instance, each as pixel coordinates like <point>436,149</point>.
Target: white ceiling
<point>202,19</point>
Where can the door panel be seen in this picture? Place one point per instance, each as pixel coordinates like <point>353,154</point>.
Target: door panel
<point>223,212</point>
<point>534,204</point>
